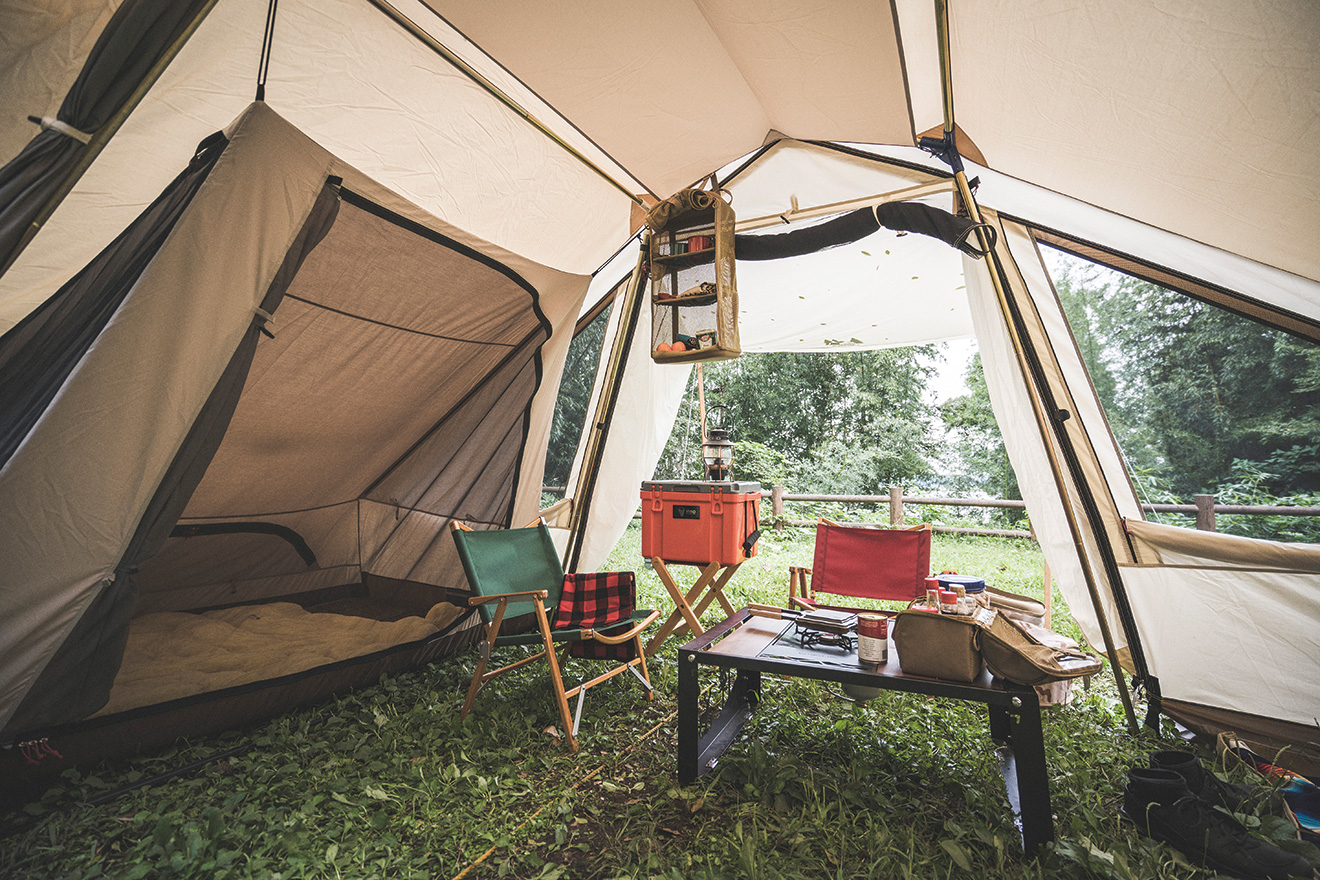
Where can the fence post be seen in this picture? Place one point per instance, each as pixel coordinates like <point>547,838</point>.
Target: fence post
<point>1205,512</point>
<point>895,505</point>
<point>777,506</point>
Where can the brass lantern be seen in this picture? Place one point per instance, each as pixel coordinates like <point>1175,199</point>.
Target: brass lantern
<point>717,453</point>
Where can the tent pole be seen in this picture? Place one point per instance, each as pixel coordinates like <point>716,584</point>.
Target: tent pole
<point>1056,470</point>
<point>1019,351</point>
<point>701,400</point>
<point>609,389</point>
<point>103,134</point>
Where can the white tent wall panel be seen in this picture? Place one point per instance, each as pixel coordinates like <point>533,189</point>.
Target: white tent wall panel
<point>1239,656</point>
<point>369,93</point>
<point>42,47</point>
<point>108,438</point>
<point>1011,402</point>
<point>644,413</point>
<point>560,307</point>
<point>1112,485</point>
<point>613,278</point>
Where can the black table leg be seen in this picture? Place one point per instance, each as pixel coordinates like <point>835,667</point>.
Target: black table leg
<point>1025,774</point>
<point>1000,724</point>
<point>687,718</point>
<point>696,753</point>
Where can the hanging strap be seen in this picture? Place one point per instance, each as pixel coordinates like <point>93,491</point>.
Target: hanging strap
<point>50,123</point>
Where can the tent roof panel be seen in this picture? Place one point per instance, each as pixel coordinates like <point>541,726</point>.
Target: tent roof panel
<point>1196,117</point>
<point>675,91</point>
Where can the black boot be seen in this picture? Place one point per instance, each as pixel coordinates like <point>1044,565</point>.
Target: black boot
<point>1213,790</point>
<point>1161,805</point>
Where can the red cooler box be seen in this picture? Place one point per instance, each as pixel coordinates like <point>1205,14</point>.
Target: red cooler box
<point>700,523</point>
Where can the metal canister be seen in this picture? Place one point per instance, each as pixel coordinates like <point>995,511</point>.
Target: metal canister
<point>873,639</point>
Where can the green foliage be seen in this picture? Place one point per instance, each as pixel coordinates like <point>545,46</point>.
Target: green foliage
<point>850,422</point>
<point>574,395</point>
<point>979,446</point>
<point>1190,388</point>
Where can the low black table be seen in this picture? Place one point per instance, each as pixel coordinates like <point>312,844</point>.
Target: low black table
<point>753,645</point>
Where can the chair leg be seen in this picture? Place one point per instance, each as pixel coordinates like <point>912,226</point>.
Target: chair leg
<point>477,680</point>
<point>555,676</point>
<point>646,675</point>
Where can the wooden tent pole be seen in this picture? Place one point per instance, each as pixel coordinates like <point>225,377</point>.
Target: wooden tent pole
<point>586,481</point>
<point>1033,393</point>
<point>701,401</point>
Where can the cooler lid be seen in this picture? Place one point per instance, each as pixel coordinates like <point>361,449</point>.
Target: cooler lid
<point>694,487</point>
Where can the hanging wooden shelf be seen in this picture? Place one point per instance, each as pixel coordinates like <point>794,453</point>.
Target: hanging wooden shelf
<point>694,296</point>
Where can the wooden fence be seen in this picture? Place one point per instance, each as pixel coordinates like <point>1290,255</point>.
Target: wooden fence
<point>1204,509</point>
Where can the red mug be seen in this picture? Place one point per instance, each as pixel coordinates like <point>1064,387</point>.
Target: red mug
<point>700,242</point>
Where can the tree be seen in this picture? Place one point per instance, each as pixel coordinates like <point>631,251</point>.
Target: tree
<point>574,395</point>
<point>979,446</point>
<point>848,422</point>
<point>1190,388</point>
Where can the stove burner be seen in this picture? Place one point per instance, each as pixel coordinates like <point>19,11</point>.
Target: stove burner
<point>809,637</point>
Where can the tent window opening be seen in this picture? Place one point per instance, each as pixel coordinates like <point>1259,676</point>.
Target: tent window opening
<point>574,398</point>
<point>1201,400</point>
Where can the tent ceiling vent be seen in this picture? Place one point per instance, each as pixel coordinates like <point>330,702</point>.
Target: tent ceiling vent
<point>694,294</point>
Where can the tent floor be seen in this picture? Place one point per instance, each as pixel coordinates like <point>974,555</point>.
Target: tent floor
<point>134,731</point>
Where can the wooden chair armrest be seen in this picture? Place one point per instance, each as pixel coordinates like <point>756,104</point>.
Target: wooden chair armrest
<point>801,603</point>
<point>614,640</point>
<point>473,601</point>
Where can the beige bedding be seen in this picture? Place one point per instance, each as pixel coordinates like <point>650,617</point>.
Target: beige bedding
<point>173,654</point>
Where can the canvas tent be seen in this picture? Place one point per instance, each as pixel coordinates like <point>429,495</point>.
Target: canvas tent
<point>1169,141</point>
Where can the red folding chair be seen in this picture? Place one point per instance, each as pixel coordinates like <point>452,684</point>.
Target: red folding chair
<point>864,563</point>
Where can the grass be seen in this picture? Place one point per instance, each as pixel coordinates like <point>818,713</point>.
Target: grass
<point>386,782</point>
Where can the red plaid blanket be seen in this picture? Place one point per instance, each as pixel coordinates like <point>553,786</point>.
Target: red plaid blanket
<point>595,601</point>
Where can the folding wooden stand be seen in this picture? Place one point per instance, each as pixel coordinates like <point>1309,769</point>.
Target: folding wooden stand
<point>689,606</point>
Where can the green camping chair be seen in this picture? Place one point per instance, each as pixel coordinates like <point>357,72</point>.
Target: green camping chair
<point>516,572</point>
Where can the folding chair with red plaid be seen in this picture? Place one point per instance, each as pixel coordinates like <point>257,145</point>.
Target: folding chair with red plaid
<point>515,573</point>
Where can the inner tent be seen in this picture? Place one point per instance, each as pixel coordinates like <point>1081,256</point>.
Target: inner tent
<point>344,376</point>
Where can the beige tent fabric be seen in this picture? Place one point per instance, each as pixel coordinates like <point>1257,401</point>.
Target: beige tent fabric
<point>1172,545</point>
<point>171,655</point>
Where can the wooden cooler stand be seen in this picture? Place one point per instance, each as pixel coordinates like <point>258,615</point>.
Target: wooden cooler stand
<point>711,526</point>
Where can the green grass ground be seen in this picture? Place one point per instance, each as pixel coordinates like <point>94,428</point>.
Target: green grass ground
<point>388,783</point>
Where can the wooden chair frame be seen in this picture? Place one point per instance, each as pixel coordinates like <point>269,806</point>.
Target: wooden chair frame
<point>570,720</point>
